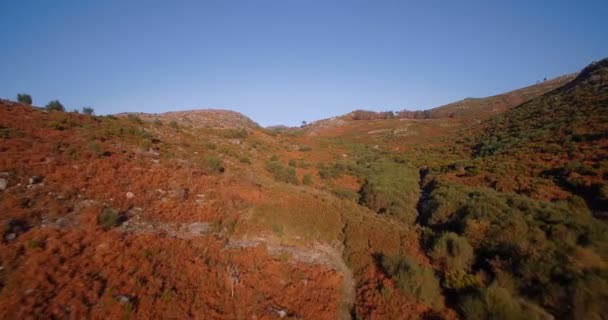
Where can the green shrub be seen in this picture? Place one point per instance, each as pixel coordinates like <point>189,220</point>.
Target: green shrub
<point>5,133</point>
<point>158,123</point>
<point>391,188</point>
<point>245,160</point>
<point>497,303</point>
<point>173,124</point>
<point>460,280</point>
<point>24,98</point>
<point>453,251</point>
<point>109,218</point>
<point>54,105</point>
<point>281,173</point>
<point>589,297</point>
<point>95,148</point>
<point>305,148</point>
<point>33,244</point>
<point>292,163</point>
<point>134,118</point>
<point>345,194</point>
<point>88,110</point>
<point>302,164</point>
<point>235,133</point>
<point>331,172</point>
<point>307,179</point>
<point>213,165</point>
<point>538,244</point>
<point>414,280</point>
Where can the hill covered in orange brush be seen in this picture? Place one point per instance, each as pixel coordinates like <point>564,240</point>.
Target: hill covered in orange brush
<point>481,209</point>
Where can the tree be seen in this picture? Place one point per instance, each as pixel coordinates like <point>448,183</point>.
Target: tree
<point>303,124</point>
<point>88,110</point>
<point>24,98</point>
<point>55,105</point>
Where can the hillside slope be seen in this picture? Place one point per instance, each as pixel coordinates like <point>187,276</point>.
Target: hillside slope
<point>488,106</point>
<point>564,134</point>
<point>203,214</point>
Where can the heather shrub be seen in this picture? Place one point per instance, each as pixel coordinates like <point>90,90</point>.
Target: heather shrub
<point>391,188</point>
<point>460,280</point>
<point>452,251</point>
<point>333,171</point>
<point>307,179</point>
<point>497,303</point>
<point>282,173</point>
<point>414,280</point>
<point>343,193</point>
<point>213,165</point>
<point>109,218</point>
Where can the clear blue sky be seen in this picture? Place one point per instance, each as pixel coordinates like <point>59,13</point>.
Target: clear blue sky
<point>284,61</point>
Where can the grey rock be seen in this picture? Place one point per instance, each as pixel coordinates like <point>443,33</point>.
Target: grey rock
<point>122,299</point>
<point>3,184</point>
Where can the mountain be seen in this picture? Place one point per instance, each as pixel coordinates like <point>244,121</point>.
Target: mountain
<point>204,214</point>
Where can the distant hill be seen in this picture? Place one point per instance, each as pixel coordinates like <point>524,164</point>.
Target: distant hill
<point>210,118</point>
<point>479,108</point>
<point>484,107</point>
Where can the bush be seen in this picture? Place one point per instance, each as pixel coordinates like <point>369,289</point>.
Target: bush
<point>589,297</point>
<point>88,110</point>
<point>95,148</point>
<point>54,105</point>
<point>305,148</point>
<point>391,188</point>
<point>173,124</point>
<point>414,280</point>
<point>292,163</point>
<point>109,218</point>
<point>460,280</point>
<point>245,160</point>
<point>496,302</point>
<point>331,172</point>
<point>213,165</point>
<point>158,123</point>
<point>281,173</point>
<point>24,98</point>
<point>452,251</point>
<point>345,194</point>
<point>134,118</point>
<point>235,133</point>
<point>538,244</point>
<point>307,179</point>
